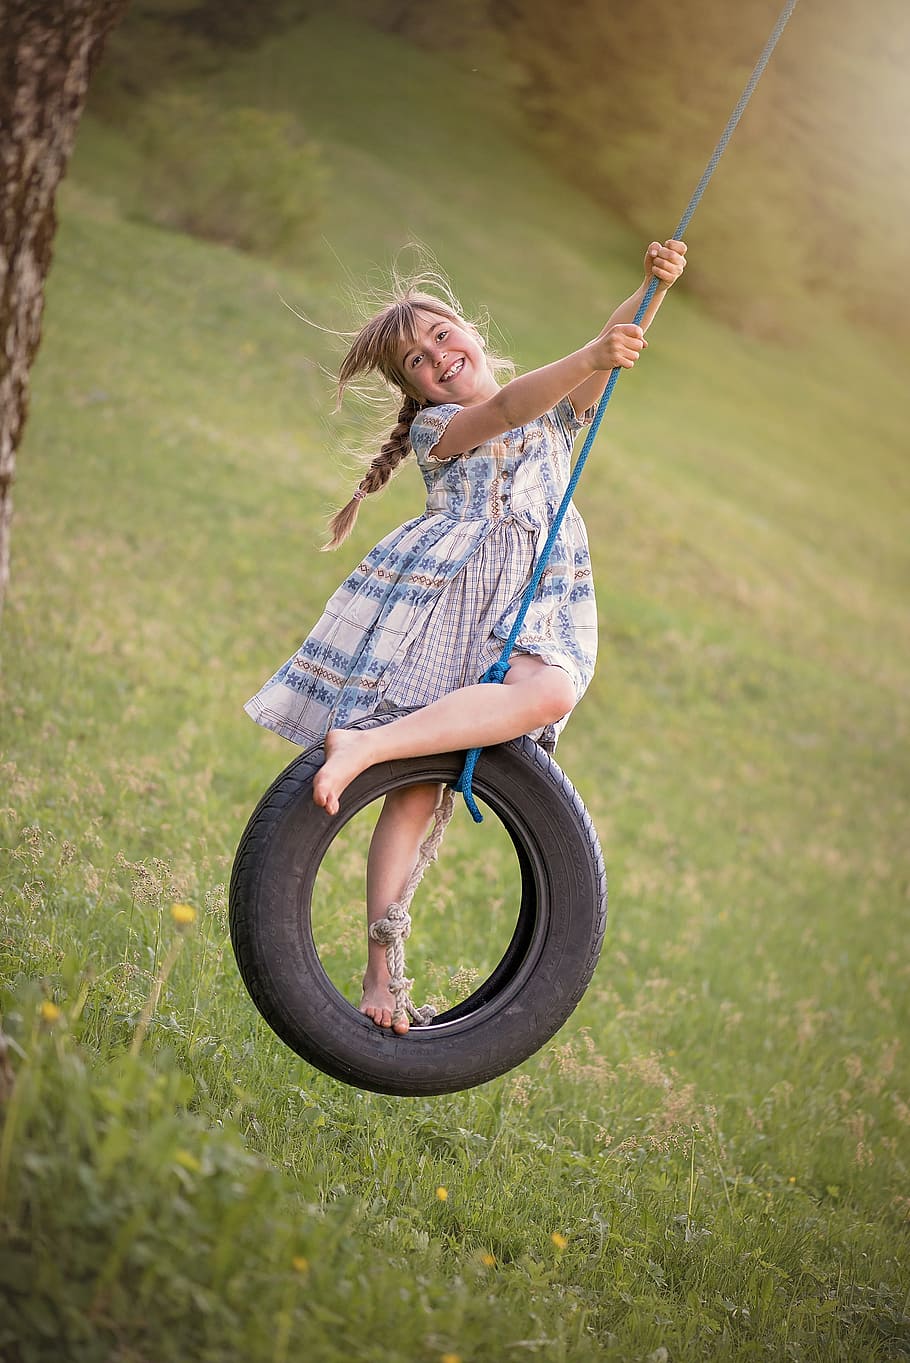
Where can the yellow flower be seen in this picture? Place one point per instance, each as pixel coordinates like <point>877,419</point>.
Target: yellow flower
<point>450,1358</point>
<point>183,914</point>
<point>792,1178</point>
<point>50,1013</point>
<point>443,1195</point>
<point>559,1241</point>
<point>300,1264</point>
<point>488,1260</point>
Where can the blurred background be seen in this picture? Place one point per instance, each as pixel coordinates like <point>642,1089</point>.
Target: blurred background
<point>235,113</point>
<point>723,1122</point>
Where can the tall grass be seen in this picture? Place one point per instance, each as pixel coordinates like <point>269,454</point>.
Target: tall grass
<point>710,1161</point>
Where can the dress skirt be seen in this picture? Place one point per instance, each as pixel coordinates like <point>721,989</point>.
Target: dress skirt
<point>429,608</point>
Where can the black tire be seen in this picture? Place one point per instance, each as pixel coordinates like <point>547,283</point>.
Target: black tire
<point>542,975</point>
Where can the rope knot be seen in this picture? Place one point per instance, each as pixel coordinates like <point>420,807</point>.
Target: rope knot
<point>496,672</point>
<point>422,1017</point>
<point>395,927</point>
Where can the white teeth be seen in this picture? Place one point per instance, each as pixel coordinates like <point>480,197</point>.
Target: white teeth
<point>454,369</point>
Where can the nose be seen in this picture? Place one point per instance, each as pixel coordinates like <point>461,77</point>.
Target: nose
<point>441,355</point>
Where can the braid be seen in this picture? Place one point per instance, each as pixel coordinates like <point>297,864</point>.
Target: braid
<point>395,449</point>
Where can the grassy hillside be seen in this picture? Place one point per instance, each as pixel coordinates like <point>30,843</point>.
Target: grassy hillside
<point>711,1160</point>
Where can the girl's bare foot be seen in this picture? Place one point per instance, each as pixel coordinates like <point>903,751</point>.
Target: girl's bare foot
<point>378,1003</point>
<point>346,756</point>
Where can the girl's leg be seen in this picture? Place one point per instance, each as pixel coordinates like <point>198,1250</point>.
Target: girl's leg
<point>534,694</point>
<point>399,831</point>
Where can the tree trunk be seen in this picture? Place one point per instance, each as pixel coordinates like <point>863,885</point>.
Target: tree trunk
<point>48,51</point>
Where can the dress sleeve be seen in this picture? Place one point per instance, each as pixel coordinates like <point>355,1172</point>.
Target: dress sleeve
<point>565,417</point>
<point>428,427</point>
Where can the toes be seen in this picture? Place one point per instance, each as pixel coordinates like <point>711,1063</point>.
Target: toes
<point>324,795</point>
<point>325,799</point>
<point>382,1017</point>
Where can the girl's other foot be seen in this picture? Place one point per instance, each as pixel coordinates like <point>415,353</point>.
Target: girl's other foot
<point>378,1003</point>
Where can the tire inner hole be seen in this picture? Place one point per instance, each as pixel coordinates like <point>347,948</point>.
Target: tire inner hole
<point>463,912</point>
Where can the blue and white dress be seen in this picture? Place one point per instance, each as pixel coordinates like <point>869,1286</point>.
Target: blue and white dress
<point>428,610</point>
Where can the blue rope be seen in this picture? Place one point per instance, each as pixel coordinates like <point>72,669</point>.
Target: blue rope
<point>497,672</point>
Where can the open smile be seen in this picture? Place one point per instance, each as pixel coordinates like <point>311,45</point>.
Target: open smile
<point>452,371</point>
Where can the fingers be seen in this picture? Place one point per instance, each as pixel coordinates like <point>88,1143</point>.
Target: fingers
<point>618,347</point>
<point>667,262</point>
<point>630,332</point>
<point>671,247</point>
<point>629,335</point>
<point>627,341</point>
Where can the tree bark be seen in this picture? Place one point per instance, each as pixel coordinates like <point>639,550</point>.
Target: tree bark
<point>48,51</point>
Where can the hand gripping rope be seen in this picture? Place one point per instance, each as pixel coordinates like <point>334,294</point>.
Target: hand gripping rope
<point>497,671</point>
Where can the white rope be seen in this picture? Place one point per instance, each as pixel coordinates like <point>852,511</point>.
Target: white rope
<point>394,930</point>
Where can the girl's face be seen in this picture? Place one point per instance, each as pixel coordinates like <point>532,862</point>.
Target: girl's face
<point>446,363</point>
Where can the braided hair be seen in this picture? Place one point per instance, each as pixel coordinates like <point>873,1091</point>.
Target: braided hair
<point>390,455</point>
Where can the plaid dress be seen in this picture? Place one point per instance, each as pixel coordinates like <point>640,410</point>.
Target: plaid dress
<point>428,610</point>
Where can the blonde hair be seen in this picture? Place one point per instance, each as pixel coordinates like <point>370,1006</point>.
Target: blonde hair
<point>376,348</point>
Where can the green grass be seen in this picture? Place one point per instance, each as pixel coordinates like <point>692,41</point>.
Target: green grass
<point>720,1134</point>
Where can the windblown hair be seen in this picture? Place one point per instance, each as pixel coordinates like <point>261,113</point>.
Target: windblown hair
<point>376,348</point>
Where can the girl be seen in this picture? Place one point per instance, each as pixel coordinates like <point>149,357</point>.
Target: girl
<point>426,612</point>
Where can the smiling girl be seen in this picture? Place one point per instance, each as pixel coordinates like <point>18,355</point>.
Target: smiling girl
<point>426,612</point>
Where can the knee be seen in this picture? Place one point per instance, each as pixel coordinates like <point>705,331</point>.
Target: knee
<point>557,695</point>
<point>414,802</point>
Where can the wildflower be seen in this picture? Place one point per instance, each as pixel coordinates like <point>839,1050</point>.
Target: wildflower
<point>488,1260</point>
<point>520,1089</point>
<point>50,1013</point>
<point>450,1358</point>
<point>559,1241</point>
<point>183,914</point>
<point>443,1195</point>
<point>300,1264</point>
<point>792,1178</point>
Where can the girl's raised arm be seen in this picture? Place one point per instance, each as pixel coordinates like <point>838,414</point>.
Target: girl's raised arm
<point>530,395</point>
<point>582,375</point>
<point>667,262</point>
